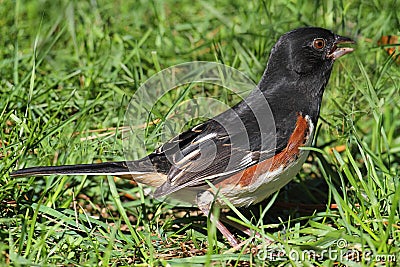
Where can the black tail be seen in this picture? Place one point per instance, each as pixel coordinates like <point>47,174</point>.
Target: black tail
<point>105,168</point>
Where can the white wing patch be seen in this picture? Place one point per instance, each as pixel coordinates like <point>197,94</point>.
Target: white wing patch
<point>204,138</point>
<point>248,159</point>
<point>182,162</point>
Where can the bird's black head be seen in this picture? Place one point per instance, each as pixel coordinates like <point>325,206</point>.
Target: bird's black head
<point>299,68</point>
<point>308,51</point>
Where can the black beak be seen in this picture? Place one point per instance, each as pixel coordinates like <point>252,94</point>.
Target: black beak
<point>336,52</point>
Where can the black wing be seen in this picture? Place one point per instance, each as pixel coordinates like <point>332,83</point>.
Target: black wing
<point>219,148</point>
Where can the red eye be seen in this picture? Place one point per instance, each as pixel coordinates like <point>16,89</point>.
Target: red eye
<point>319,43</point>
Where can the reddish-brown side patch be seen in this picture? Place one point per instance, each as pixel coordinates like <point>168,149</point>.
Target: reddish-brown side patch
<point>286,156</point>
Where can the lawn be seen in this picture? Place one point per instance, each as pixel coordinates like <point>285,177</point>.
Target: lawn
<point>69,70</point>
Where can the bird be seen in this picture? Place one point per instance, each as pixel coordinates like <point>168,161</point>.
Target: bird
<point>249,151</point>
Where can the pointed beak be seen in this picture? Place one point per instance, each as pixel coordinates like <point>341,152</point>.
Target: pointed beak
<point>338,51</point>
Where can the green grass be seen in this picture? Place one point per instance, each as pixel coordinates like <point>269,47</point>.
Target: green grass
<point>68,68</point>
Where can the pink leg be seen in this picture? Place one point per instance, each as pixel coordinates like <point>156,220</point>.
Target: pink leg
<point>238,226</point>
<point>224,231</point>
<point>204,201</point>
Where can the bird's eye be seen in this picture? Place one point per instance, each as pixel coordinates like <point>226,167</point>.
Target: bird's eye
<point>319,43</point>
